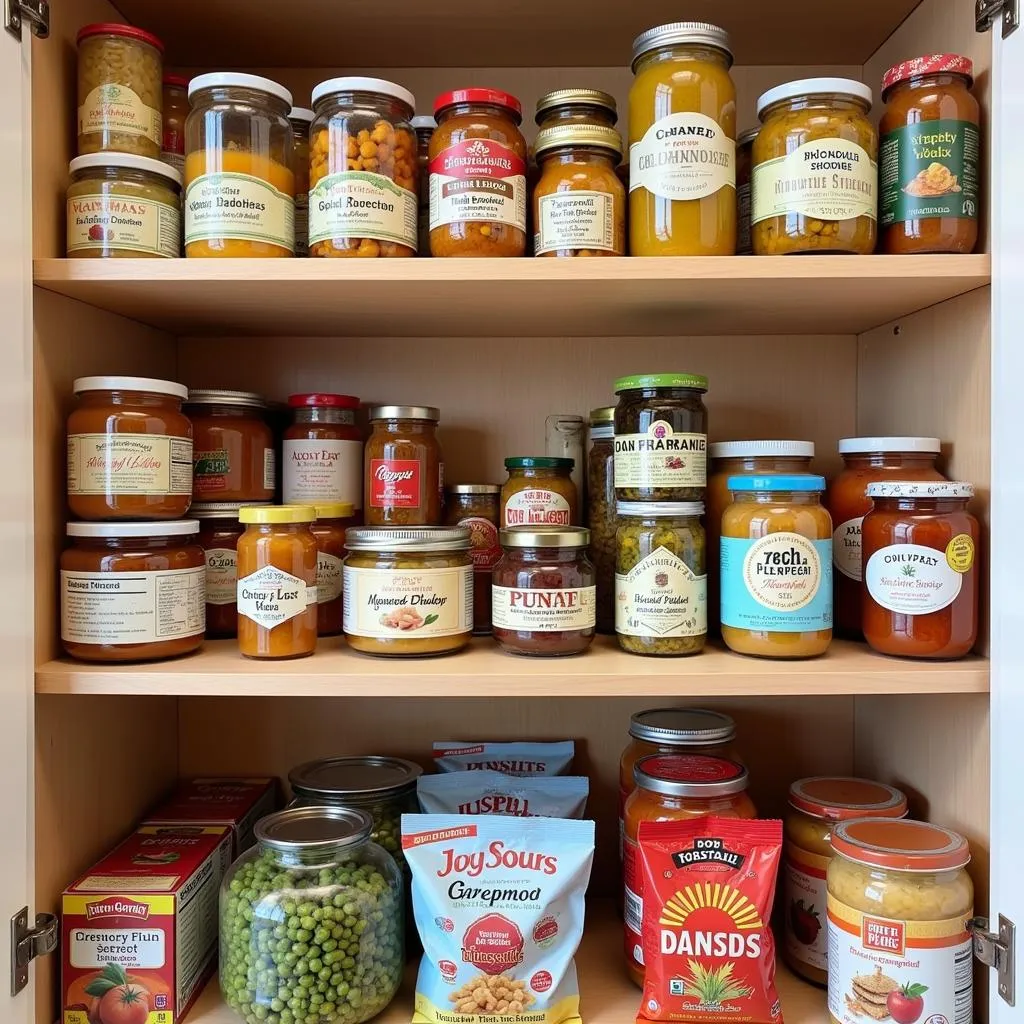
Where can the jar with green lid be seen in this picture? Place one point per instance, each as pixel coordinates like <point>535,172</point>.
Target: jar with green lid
<point>601,512</point>
<point>576,106</point>
<point>660,578</point>
<point>539,491</point>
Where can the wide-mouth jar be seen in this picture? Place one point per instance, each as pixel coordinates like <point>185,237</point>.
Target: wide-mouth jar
<point>478,508</point>
<point>322,450</point>
<point>403,467</point>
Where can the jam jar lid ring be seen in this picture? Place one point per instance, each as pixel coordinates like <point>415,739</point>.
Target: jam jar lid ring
<point>276,514</point>
<point>929,64</point>
<point>320,398</point>
<point>148,385</point>
<point>647,381</point>
<point>539,462</point>
<point>804,87</point>
<point>657,509</point>
<point>473,489</point>
<point>756,449</point>
<point>682,726</point>
<point>407,538</point>
<point>223,509</point>
<point>839,797</point>
<point>307,829</point>
<point>172,528</point>
<point>919,489</point>
<point>353,777</point>
<point>598,136</point>
<point>777,482</point>
<point>696,33</point>
<point>902,844</point>
<point>579,97</point>
<point>882,445</point>
<point>224,396</point>
<point>301,114</point>
<point>690,775</point>
<point>405,412</point>
<point>489,97</point>
<point>111,28</point>
<point>423,122</point>
<point>544,537</point>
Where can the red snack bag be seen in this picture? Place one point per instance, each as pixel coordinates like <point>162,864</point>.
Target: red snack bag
<point>709,953</point>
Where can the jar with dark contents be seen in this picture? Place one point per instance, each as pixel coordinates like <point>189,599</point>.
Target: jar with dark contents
<point>423,125</point>
<point>300,118</point>
<point>744,173</point>
<point>403,467</point>
<point>576,106</point>
<point>543,597</point>
<point>332,520</point>
<point>601,516</point>
<point>477,507</point>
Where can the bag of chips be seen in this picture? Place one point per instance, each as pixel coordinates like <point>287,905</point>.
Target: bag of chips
<point>507,758</point>
<point>487,792</point>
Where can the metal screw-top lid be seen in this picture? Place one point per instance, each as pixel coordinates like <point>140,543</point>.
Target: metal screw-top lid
<point>223,509</point>
<point>411,538</point>
<point>576,97</point>
<point>337,779</point>
<point>690,775</point>
<point>305,829</point>
<point>697,33</point>
<point>578,135</point>
<point>219,396</point>
<point>405,412</point>
<point>684,727</point>
<point>545,537</point>
<point>473,489</point>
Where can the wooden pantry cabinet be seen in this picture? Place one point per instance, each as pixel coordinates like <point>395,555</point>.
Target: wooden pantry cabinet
<point>815,347</point>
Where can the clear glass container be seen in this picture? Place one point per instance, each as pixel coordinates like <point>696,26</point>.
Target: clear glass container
<point>539,491</point>
<point>424,126</point>
<point>403,468</point>
<point>576,106</point>
<point>478,508</point>
<point>322,451</point>
<point>563,439</point>
<point>601,518</point>
<point>176,109</point>
<point>300,119</point>
<point>332,520</point>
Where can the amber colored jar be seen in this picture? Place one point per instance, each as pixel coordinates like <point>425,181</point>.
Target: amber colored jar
<point>322,451</point>
<point>867,460</point>
<point>744,181</point>
<point>539,492</point>
<point>403,468</point>
<point>920,569</point>
<point>477,162</point>
<point>332,520</point>
<point>175,111</point>
<point>277,592</point>
<point>477,507</point>
<point>576,106</point>
<point>673,787</point>
<point>154,611</point>
<point>129,449</point>
<point>928,158</point>
<point>300,119</point>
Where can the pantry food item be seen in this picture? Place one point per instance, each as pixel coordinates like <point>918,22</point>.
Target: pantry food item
<point>332,520</point>
<point>123,206</point>
<point>708,942</point>
<point>322,451</point>
<point>815,179</point>
<point>744,176</point>
<point>539,492</point>
<point>920,569</point>
<point>300,119</point>
<point>175,111</point>
<point>132,591</point>
<point>477,507</point>
<point>423,125</point>
<point>316,873</point>
<point>403,467</point>
<point>776,567</point>
<point>477,175</point>
<point>682,153</point>
<point>129,449</point>
<point>498,903</point>
<point>928,157</point>
<point>544,593</point>
<point>363,172</point>
<point>408,591</point>
<point>277,589</point>
<point>508,758</point>
<point>491,792</point>
<point>661,437</point>
<point>899,908</point>
<point>120,94</point>
<point>867,460</point>
<point>576,106</point>
<point>219,533</point>
<point>601,517</point>
<point>815,806</point>
<point>239,178</point>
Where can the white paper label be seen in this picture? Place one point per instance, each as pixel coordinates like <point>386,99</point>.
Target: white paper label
<point>328,577</point>
<point>394,604</point>
<point>683,156</point>
<point>661,458</point>
<point>543,610</point>
<point>575,219</point>
<point>97,221</point>
<point>226,204</point>
<point>114,108</point>
<point>361,204</point>
<point>221,576</point>
<point>782,571</point>
<point>846,549</point>
<point>661,597</point>
<point>323,471</point>
<point>269,469</point>
<point>912,579</point>
<point>150,464</point>
<point>477,180</point>
<point>536,506</point>
<point>271,596</point>
<point>138,947</point>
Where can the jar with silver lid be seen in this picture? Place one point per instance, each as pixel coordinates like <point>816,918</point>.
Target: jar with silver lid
<point>403,467</point>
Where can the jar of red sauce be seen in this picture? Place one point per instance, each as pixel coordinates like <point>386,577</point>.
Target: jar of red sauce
<point>322,452</point>
<point>920,569</point>
<point>332,520</point>
<point>865,461</point>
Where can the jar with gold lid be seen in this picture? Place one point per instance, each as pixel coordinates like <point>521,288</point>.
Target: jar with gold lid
<point>576,106</point>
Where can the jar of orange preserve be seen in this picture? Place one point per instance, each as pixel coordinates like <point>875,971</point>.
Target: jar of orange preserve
<point>322,451</point>
<point>670,787</point>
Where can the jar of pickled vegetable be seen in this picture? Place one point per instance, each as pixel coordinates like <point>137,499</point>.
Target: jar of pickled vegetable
<point>403,467</point>
<point>576,106</point>
<point>478,508</point>
<point>539,492</point>
<point>332,520</point>
<point>744,176</point>
<point>423,125</point>
<point>175,112</point>
<point>300,118</point>
<point>601,517</point>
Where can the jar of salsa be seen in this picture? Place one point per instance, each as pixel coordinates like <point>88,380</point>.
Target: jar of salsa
<point>477,507</point>
<point>539,492</point>
<point>322,451</point>
<point>403,467</point>
<point>920,569</point>
<point>332,520</point>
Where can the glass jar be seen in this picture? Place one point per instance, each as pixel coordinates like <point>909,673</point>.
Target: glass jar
<point>322,451</point>
<point>122,206</point>
<point>817,125</point>
<point>661,437</point>
<point>332,520</point>
<point>576,106</point>
<point>477,175</point>
<point>601,518</point>
<point>277,582</point>
<point>363,171</point>
<point>175,111</point>
<point>816,805</point>
<point>867,460</point>
<point>682,153</point>
<point>313,873</point>
<point>154,612</point>
<point>539,492</point>
<point>920,569</point>
<point>579,204</point>
<point>120,90</point>
<point>563,439</point>
<point>661,583</point>
<point>900,903</point>
<point>129,449</point>
<point>543,597</point>
<point>408,592</point>
<point>219,533</point>
<point>423,125</point>
<point>233,456</point>
<point>929,153</point>
<point>478,508</point>
<point>744,176</point>
<point>403,467</point>
<point>239,168</point>
<point>776,566</point>
<point>300,118</point>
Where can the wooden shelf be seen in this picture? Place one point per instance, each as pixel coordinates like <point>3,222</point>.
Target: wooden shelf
<point>518,298</point>
<point>483,670</point>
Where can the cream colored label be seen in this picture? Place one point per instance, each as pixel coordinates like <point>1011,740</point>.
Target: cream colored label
<point>269,469</point>
<point>221,576</point>
<point>661,597</point>
<point>683,156</point>
<point>782,571</point>
<point>575,219</point>
<point>537,506</point>
<point>226,204</point>
<point>271,596</point>
<point>408,604</point>
<point>132,607</point>
<point>150,464</point>
<point>830,179</point>
<point>846,548</point>
<point>323,471</point>
<point>328,577</point>
<point>912,579</point>
<point>116,108</point>
<point>97,221</point>
<point>661,458</point>
<point>543,610</point>
<point>361,204</point>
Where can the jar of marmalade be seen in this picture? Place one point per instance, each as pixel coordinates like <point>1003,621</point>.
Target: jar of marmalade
<point>403,467</point>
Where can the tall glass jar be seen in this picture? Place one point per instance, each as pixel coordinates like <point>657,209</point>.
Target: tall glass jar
<point>423,125</point>
<point>478,508</point>
<point>363,171</point>
<point>239,168</point>
<point>322,451</point>
<point>314,890</point>
<point>403,467</point>
<point>332,520</point>
<point>172,150</point>
<point>576,106</point>
<point>601,518</point>
<point>300,119</point>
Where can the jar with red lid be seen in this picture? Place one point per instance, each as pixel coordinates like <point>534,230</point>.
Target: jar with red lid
<point>476,506</point>
<point>332,520</point>
<point>322,452</point>
<point>404,470</point>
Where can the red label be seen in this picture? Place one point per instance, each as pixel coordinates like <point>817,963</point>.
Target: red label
<point>493,944</point>
<point>544,930</point>
<point>541,981</point>
<point>114,907</point>
<point>394,483</point>
<point>484,548</point>
<point>174,141</point>
<point>448,968</point>
<point>440,836</point>
<point>477,159</point>
<point>691,768</point>
<point>885,936</point>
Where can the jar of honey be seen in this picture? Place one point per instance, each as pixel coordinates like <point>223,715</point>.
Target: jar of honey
<point>332,520</point>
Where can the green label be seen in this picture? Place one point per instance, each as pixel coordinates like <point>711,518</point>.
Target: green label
<point>215,463</point>
<point>929,169</point>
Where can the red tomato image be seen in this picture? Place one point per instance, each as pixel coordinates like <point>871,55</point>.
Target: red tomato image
<point>116,999</point>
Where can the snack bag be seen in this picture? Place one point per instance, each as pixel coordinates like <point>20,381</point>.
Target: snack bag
<point>507,758</point>
<point>498,903</point>
<point>487,792</point>
<point>709,954</point>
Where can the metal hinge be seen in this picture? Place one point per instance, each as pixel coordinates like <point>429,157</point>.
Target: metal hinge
<point>987,11</point>
<point>35,12</point>
<point>997,951</point>
<point>28,943</point>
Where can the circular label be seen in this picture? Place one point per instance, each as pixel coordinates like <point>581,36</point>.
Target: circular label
<point>846,548</point>
<point>691,768</point>
<point>782,571</point>
<point>960,553</point>
<point>484,547</point>
<point>912,579</point>
<point>541,981</point>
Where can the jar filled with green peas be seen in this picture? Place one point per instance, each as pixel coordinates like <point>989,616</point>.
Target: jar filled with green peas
<point>311,921</point>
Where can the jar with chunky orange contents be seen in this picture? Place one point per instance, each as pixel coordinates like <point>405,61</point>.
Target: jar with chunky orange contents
<point>403,467</point>
<point>363,171</point>
<point>673,787</point>
<point>332,520</point>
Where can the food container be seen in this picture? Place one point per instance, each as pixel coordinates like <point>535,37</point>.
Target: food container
<point>576,106</point>
<point>423,125</point>
<point>403,467</point>
<point>239,182</point>
<point>539,492</point>
<point>121,205</point>
<point>478,508</point>
<point>815,125</point>
<point>332,520</point>
<point>744,176</point>
<point>129,449</point>
<point>900,904</point>
<point>682,89</point>
<point>920,569</point>
<point>408,592</point>
<point>322,451</point>
<point>175,110</point>
<point>816,805</point>
<point>132,591</point>
<point>363,171</point>
<point>120,90</point>
<point>543,598</point>
<point>300,118</point>
<point>661,585</point>
<point>601,518</point>
<point>319,867</point>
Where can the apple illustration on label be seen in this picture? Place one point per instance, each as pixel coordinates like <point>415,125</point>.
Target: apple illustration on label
<point>906,1003</point>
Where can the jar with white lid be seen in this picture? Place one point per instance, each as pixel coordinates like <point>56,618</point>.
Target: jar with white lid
<point>300,119</point>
